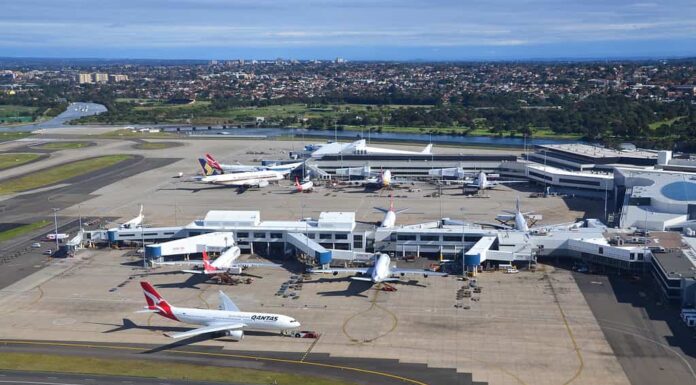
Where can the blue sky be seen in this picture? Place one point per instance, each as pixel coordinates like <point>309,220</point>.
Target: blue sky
<point>354,29</point>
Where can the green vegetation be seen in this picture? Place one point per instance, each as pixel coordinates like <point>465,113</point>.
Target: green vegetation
<point>54,146</point>
<point>21,230</point>
<point>17,114</point>
<point>8,160</point>
<point>153,369</point>
<point>667,122</point>
<point>125,133</point>
<point>59,173</point>
<point>8,136</point>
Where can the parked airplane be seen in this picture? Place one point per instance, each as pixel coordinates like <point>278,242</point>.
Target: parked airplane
<point>525,221</point>
<point>240,179</point>
<point>234,168</point>
<point>389,214</point>
<point>229,320</point>
<point>304,187</point>
<point>54,236</point>
<point>482,183</point>
<point>226,263</point>
<point>135,222</point>
<point>381,271</point>
<point>518,217</point>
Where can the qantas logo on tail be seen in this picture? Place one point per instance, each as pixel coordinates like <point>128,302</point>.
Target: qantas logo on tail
<point>156,302</point>
<point>207,267</point>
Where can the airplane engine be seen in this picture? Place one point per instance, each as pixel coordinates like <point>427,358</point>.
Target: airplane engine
<point>335,273</point>
<point>403,274</point>
<point>263,183</point>
<point>425,275</point>
<point>236,335</point>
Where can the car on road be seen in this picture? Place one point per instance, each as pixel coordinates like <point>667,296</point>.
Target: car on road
<point>48,252</point>
<point>36,245</point>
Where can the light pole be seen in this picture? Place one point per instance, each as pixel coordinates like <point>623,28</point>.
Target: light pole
<point>55,223</point>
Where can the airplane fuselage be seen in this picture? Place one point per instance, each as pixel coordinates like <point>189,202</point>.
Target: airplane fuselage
<point>252,320</point>
<point>242,177</point>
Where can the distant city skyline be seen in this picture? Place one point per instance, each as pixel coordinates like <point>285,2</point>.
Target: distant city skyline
<point>397,30</point>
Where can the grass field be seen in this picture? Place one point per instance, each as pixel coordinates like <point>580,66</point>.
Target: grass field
<point>15,159</point>
<point>669,122</point>
<point>16,114</point>
<point>58,174</point>
<point>62,145</point>
<point>156,370</point>
<point>7,136</point>
<point>21,230</point>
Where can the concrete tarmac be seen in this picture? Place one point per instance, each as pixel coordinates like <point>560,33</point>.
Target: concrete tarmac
<point>646,334</point>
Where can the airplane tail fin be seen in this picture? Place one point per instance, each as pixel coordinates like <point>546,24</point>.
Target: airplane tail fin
<point>427,149</point>
<point>297,184</point>
<point>208,170</point>
<point>517,204</point>
<point>213,163</point>
<point>141,211</point>
<point>155,301</point>
<point>391,202</point>
<point>207,267</point>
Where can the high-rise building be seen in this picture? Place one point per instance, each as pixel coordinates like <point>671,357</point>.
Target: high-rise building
<point>115,78</point>
<point>84,78</point>
<point>98,77</point>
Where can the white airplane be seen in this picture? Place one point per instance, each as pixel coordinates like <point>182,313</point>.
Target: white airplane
<point>482,183</point>
<point>54,236</point>
<point>381,271</point>
<point>244,179</point>
<point>389,219</point>
<point>519,218</point>
<point>226,263</point>
<point>135,222</point>
<point>304,187</point>
<point>521,221</point>
<point>234,168</point>
<point>229,320</point>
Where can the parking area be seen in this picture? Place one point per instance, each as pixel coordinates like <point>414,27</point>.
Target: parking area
<point>505,337</point>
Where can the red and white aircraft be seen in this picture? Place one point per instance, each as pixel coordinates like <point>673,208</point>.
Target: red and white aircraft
<point>226,263</point>
<point>229,320</point>
<point>304,187</point>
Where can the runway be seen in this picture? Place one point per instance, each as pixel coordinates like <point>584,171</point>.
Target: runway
<point>356,370</point>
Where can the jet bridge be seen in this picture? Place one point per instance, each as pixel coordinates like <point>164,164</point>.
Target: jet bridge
<point>309,247</point>
<point>478,252</point>
<point>214,242</point>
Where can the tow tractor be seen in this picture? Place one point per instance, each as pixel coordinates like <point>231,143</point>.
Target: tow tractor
<point>301,333</point>
<point>387,287</point>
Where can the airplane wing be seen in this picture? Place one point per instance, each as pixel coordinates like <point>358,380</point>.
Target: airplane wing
<point>495,225</point>
<point>226,303</point>
<point>206,330</point>
<point>509,181</point>
<point>417,272</point>
<point>209,272</point>
<point>179,263</point>
<point>360,270</point>
<point>257,264</point>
